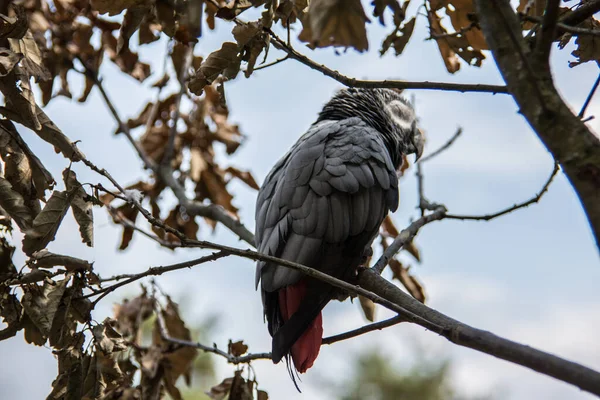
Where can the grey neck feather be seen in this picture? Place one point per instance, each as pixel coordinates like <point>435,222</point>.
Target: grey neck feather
<point>369,106</point>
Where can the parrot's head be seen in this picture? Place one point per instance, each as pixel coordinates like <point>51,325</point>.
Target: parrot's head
<point>383,109</point>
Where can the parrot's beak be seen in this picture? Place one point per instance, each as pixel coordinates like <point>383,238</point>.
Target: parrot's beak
<point>418,142</point>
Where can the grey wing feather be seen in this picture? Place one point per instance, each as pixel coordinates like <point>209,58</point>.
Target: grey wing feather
<point>336,182</point>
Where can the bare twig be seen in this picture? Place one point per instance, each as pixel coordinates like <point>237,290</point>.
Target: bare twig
<point>443,148</point>
<point>164,333</point>
<point>589,97</point>
<point>390,84</point>
<point>154,271</point>
<point>406,236</point>
<point>365,329</point>
<point>93,75</point>
<point>185,66</point>
<point>130,224</point>
<point>561,27</point>
<point>486,342</point>
<point>459,32</point>
<point>211,211</point>
<point>548,30</point>
<point>524,204</point>
<point>275,62</point>
<point>580,14</point>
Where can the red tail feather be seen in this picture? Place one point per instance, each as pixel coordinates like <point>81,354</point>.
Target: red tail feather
<point>306,349</point>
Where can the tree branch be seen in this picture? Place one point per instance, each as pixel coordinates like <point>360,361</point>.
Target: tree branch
<point>443,148</point>
<point>533,200</point>
<point>486,342</point>
<point>164,334</point>
<point>365,329</point>
<point>389,84</point>
<point>185,66</point>
<point>93,75</point>
<point>568,139</point>
<point>406,236</point>
<point>548,31</point>
<point>589,98</point>
<point>577,16</point>
<point>153,271</point>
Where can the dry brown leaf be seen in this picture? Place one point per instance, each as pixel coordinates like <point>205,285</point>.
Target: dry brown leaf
<point>14,204</point>
<point>179,362</point>
<point>114,7</point>
<point>237,349</point>
<point>131,314</point>
<point>225,61</point>
<point>212,186</point>
<point>32,332</point>
<point>399,42</point>
<point>32,64</point>
<point>221,390</point>
<point>244,176</point>
<point>130,213</point>
<point>241,389</point>
<point>533,8</point>
<point>8,60</point>
<point>389,228</point>
<point>368,308</point>
<point>413,250</point>
<point>46,223</point>
<point>14,27</point>
<point>48,132</point>
<point>107,338</point>
<point>448,55</point>
<point>81,205</point>
<point>182,223</point>
<point>162,82</point>
<point>11,143</point>
<point>462,16</point>
<point>588,46</point>
<point>335,23</point>
<point>46,259</point>
<point>41,303</point>
<point>132,20</point>
<point>412,285</point>
<point>252,40</point>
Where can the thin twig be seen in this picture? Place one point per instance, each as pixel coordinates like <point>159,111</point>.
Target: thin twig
<point>164,333</point>
<point>406,236</point>
<point>365,329</point>
<point>589,97</point>
<point>459,32</point>
<point>93,75</point>
<point>561,27</point>
<point>548,30</point>
<point>154,271</point>
<point>443,148</point>
<point>185,66</point>
<point>130,224</point>
<point>279,60</point>
<point>580,14</point>
<point>390,84</point>
<point>533,200</point>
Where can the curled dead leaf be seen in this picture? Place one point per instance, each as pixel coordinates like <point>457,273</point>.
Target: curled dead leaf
<point>335,23</point>
<point>46,223</point>
<point>368,308</point>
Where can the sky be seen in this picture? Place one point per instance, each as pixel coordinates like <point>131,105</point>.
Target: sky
<point>530,276</point>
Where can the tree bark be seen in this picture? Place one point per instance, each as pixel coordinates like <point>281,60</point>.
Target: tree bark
<point>529,80</point>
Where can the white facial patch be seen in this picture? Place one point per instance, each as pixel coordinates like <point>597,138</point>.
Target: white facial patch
<point>402,114</point>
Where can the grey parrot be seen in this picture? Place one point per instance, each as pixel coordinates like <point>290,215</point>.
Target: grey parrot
<point>322,204</point>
